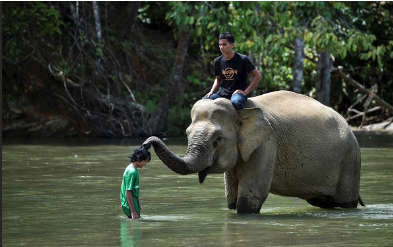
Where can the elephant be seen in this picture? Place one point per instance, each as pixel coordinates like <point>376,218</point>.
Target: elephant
<point>282,142</point>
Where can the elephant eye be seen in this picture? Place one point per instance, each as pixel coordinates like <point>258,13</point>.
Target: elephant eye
<point>215,143</point>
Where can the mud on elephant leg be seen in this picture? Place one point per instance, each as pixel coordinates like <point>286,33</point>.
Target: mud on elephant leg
<point>244,200</point>
<point>232,205</point>
<point>246,206</point>
<point>251,198</point>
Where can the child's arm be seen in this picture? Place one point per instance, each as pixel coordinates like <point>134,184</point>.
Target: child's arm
<point>134,214</point>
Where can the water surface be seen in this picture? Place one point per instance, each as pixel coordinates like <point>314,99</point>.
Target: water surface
<point>65,192</point>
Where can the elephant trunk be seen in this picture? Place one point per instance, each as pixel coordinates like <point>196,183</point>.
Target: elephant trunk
<point>192,162</point>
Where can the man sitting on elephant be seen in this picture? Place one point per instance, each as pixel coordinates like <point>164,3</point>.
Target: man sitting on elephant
<point>231,70</point>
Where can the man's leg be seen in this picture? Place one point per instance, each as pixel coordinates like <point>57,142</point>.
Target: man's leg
<point>238,100</point>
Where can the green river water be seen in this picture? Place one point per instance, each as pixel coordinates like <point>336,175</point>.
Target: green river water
<point>65,192</point>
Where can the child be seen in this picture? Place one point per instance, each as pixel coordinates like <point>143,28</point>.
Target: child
<point>129,193</point>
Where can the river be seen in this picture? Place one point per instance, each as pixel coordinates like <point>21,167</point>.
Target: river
<point>65,192</point>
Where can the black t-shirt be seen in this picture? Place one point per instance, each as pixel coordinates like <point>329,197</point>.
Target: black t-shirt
<point>233,73</point>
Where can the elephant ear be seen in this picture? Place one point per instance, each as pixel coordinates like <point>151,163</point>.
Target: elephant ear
<point>254,130</point>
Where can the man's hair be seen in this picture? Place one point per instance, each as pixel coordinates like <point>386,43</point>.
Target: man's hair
<point>227,36</point>
<point>140,154</point>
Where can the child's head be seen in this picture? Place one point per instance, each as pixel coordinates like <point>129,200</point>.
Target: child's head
<point>140,154</point>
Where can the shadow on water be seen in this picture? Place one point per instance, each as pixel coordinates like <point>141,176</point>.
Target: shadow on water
<point>367,139</point>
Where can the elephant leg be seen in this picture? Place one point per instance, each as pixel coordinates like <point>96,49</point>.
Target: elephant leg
<point>244,197</point>
<point>255,180</point>
<point>250,199</point>
<point>231,184</point>
<point>247,205</point>
<point>348,188</point>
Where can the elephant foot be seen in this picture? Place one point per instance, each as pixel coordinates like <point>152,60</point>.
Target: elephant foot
<point>232,206</point>
<point>244,206</point>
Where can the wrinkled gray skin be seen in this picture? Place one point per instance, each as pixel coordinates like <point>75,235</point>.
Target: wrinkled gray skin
<point>285,143</point>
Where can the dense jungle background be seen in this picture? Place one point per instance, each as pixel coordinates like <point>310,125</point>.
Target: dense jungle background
<point>134,69</point>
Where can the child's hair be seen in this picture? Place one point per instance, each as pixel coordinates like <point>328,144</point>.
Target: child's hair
<point>140,154</point>
<point>227,36</point>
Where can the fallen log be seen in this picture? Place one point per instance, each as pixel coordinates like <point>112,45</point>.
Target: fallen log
<point>361,114</point>
<point>354,83</point>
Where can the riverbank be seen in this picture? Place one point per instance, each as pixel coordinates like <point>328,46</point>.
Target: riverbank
<point>386,126</point>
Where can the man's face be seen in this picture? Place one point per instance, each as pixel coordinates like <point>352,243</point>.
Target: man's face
<point>225,46</point>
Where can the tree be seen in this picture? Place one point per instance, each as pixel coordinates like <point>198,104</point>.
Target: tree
<point>183,18</point>
<point>323,78</point>
<point>296,84</point>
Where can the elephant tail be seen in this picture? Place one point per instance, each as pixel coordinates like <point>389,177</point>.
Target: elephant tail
<point>361,201</point>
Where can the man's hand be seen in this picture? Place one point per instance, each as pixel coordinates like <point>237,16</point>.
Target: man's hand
<point>208,95</point>
<point>240,91</point>
<point>134,215</point>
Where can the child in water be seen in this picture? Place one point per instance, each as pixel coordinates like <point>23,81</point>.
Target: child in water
<point>129,192</point>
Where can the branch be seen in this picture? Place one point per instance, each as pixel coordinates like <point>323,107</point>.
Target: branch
<point>209,5</point>
<point>20,60</point>
<point>354,83</point>
<point>121,76</point>
<point>361,114</point>
<point>61,77</point>
<point>310,58</point>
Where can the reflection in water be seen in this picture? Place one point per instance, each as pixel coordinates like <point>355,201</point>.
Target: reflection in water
<point>66,192</point>
<point>130,232</point>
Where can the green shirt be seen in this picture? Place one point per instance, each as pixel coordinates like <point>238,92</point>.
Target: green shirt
<point>130,182</point>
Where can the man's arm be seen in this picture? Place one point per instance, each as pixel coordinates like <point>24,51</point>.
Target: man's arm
<point>134,214</point>
<point>216,86</point>
<point>256,78</point>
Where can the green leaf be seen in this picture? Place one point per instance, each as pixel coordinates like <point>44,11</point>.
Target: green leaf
<point>199,31</point>
<point>369,54</point>
<point>210,25</point>
<point>349,44</point>
<point>191,21</point>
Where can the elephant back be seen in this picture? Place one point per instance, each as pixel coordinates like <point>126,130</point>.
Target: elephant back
<point>308,134</point>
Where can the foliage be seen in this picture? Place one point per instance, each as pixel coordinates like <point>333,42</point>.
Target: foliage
<point>36,18</point>
<point>195,79</point>
<point>99,81</point>
<point>178,121</point>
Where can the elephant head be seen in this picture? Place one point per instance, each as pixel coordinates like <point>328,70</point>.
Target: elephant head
<point>217,135</point>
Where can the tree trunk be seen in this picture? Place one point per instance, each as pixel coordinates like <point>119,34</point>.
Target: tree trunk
<point>252,58</point>
<point>158,120</point>
<point>264,78</point>
<point>296,85</point>
<point>323,78</point>
<point>129,20</point>
<point>97,21</point>
<point>98,32</point>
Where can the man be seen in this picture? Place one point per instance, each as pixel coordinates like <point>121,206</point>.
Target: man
<point>231,70</point>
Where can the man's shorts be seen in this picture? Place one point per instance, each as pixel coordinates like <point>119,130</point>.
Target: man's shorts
<point>127,210</point>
